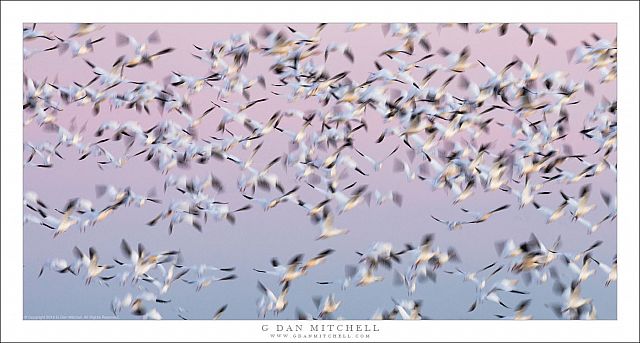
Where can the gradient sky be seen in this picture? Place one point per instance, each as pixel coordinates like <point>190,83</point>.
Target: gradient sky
<point>285,231</point>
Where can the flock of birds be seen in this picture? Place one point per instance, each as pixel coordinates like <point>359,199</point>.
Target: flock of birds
<point>442,134</point>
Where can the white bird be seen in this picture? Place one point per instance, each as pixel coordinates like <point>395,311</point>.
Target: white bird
<point>582,273</point>
<point>28,53</point>
<point>91,263</point>
<point>206,281</point>
<point>452,225</point>
<point>543,32</point>
<point>326,307</point>
<point>412,276</point>
<point>380,198</point>
<point>30,33</point>
<point>168,277</point>
<point>409,309</point>
<point>611,271</point>
<point>57,265</point>
<point>77,48</point>
<point>581,206</point>
<point>140,262</point>
<point>519,312</point>
<point>376,164</point>
<point>552,215</point>
<point>274,303</point>
<point>329,230</point>
<point>136,305</point>
<point>479,218</point>
<point>82,29</point>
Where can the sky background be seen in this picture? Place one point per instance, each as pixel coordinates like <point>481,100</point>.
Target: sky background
<point>285,231</point>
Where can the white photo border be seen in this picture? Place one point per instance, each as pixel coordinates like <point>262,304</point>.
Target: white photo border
<point>14,14</point>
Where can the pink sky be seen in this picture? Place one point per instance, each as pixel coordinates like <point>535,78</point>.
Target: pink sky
<point>285,230</point>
